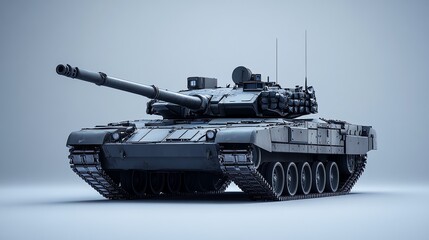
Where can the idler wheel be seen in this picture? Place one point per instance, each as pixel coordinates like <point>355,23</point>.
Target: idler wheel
<point>256,156</point>
<point>156,182</point>
<point>305,178</point>
<point>139,182</point>
<point>319,177</point>
<point>174,182</point>
<point>333,177</point>
<point>275,176</point>
<point>291,173</point>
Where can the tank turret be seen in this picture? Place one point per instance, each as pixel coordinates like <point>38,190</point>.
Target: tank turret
<point>250,97</point>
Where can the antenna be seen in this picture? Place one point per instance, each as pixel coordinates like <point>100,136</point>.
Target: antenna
<point>277,63</point>
<point>305,60</point>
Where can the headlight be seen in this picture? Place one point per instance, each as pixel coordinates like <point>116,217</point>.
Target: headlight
<point>116,136</point>
<point>210,135</point>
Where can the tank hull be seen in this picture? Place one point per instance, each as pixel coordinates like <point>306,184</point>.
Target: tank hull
<point>241,150</point>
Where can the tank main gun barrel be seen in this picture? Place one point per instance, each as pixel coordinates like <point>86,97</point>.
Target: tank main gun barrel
<point>196,102</point>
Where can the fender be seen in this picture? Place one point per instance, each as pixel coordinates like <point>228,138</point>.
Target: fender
<point>257,136</point>
<point>90,137</point>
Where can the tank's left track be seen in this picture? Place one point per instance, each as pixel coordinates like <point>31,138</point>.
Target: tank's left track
<point>87,165</point>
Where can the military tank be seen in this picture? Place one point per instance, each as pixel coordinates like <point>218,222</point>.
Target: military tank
<point>252,133</point>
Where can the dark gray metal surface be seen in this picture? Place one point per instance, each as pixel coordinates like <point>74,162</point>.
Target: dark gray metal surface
<point>101,79</point>
<point>207,132</point>
<point>249,98</point>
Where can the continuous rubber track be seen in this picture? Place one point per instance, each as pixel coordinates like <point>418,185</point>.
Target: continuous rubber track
<point>236,165</point>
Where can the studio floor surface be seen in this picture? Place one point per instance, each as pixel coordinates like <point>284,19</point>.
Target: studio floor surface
<point>77,212</point>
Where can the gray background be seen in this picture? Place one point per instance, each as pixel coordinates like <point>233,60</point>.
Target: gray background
<point>368,61</point>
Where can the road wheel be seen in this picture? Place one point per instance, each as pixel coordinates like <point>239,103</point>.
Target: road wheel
<point>332,177</point>
<point>319,177</point>
<point>139,182</point>
<point>305,178</point>
<point>347,164</point>
<point>291,173</point>
<point>174,182</point>
<point>156,182</point>
<point>275,176</point>
<point>126,181</point>
<point>191,182</point>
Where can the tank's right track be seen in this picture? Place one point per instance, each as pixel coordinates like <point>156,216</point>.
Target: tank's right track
<point>238,166</point>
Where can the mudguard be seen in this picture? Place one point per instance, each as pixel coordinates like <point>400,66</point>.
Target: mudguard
<point>90,137</point>
<point>257,136</point>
